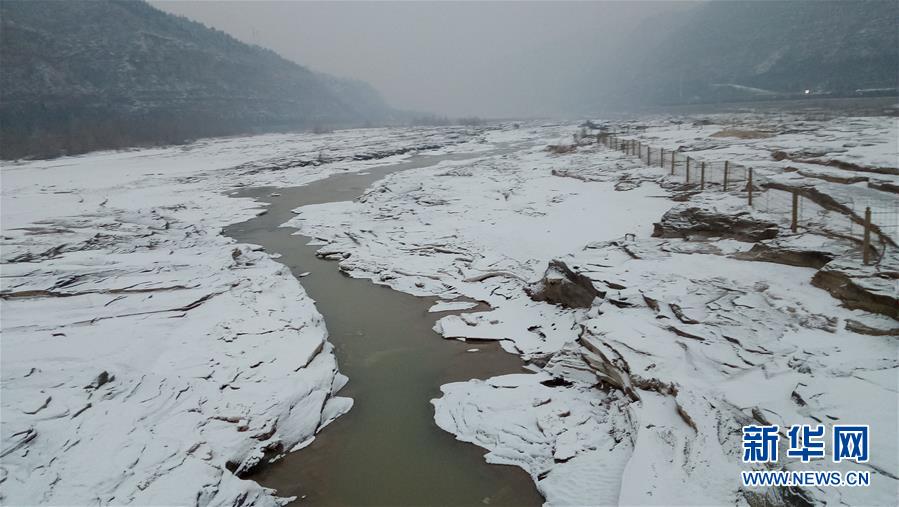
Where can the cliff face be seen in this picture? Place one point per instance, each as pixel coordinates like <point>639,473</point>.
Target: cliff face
<point>84,75</point>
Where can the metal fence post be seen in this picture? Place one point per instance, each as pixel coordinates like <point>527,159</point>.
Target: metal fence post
<point>661,157</point>
<point>866,244</point>
<point>702,176</point>
<point>688,169</point>
<point>749,186</point>
<point>726,167</point>
<point>648,155</point>
<point>673,159</point>
<point>795,223</point>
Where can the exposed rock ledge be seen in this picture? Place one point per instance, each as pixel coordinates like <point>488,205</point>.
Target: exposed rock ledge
<point>859,287</point>
<point>687,222</point>
<point>562,286</point>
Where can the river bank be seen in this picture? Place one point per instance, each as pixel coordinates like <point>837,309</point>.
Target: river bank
<point>387,449</point>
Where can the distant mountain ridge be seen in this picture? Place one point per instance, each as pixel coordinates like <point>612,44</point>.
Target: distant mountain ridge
<point>743,50</point>
<point>83,75</point>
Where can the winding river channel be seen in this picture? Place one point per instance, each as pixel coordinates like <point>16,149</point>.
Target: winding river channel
<point>387,450</point>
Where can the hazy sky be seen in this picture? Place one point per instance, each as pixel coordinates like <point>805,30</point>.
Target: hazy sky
<point>456,58</point>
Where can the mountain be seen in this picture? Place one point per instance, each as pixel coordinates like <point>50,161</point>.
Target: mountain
<point>83,75</point>
<point>746,50</point>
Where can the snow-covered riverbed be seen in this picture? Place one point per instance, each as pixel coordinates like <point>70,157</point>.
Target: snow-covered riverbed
<point>639,397</point>
<point>146,358</point>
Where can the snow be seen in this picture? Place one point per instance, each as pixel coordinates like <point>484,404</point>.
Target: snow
<point>146,358</point>
<point>451,306</point>
<point>640,398</point>
<point>504,212</point>
<point>216,359</point>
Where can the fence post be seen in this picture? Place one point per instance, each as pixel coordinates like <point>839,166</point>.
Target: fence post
<point>688,169</point>
<point>661,157</point>
<point>866,244</point>
<point>795,224</point>
<point>726,167</point>
<point>673,158</point>
<point>648,155</point>
<point>749,185</point>
<point>702,175</point>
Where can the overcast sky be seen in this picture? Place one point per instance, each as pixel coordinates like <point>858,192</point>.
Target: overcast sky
<point>456,58</point>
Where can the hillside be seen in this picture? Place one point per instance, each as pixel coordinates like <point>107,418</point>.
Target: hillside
<point>84,75</point>
<point>763,50</point>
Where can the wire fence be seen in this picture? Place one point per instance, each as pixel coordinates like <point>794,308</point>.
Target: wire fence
<point>872,224</point>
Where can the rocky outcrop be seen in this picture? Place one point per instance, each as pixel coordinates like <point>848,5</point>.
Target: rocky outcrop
<point>562,286</point>
<point>869,288</point>
<point>785,252</point>
<point>840,164</point>
<point>884,186</point>
<point>863,328</point>
<point>698,222</point>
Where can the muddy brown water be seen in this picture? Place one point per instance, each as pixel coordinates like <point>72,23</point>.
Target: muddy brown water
<point>387,450</point>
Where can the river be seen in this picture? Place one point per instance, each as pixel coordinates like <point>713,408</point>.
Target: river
<point>387,450</point>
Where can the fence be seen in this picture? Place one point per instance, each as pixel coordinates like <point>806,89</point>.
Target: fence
<point>862,222</point>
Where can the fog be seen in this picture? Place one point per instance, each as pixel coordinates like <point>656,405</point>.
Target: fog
<point>497,59</point>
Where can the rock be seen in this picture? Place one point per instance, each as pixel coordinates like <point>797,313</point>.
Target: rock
<point>884,186</point>
<point>685,222</point>
<point>776,496</point>
<point>562,286</point>
<point>790,255</point>
<point>862,328</point>
<point>103,378</point>
<point>859,287</point>
<point>624,185</point>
